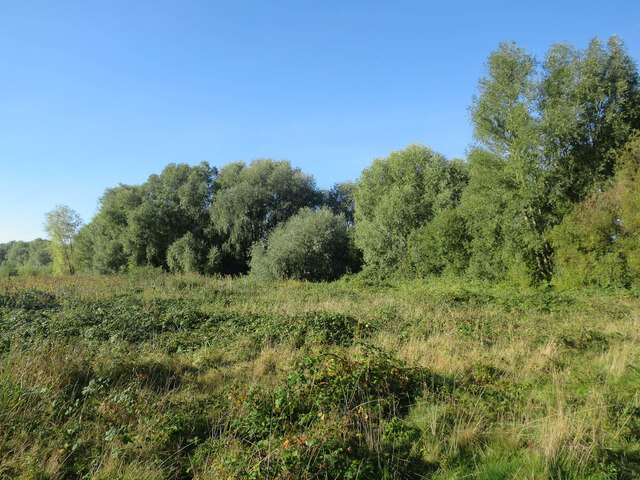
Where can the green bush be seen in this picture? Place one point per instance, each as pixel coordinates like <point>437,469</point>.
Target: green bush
<point>585,244</point>
<point>598,242</point>
<point>183,256</point>
<point>312,245</point>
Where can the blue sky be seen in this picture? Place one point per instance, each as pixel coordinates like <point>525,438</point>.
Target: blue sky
<point>97,93</point>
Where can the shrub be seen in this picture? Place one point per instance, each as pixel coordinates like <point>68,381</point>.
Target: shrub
<point>312,245</point>
<point>597,243</point>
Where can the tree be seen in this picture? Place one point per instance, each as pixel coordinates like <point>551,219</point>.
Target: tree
<point>398,195</point>
<point>311,245</point>
<point>136,224</point>
<point>545,137</point>
<point>339,199</point>
<point>62,224</point>
<point>18,257</point>
<point>39,254</point>
<point>251,201</point>
<point>588,104</point>
<point>18,254</point>
<point>505,203</point>
<point>172,204</point>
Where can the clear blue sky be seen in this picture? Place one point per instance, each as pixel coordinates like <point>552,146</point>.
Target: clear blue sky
<point>97,93</point>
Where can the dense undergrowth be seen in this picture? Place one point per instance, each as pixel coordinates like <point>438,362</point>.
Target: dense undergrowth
<point>178,377</point>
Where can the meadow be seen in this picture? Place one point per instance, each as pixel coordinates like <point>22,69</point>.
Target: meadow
<point>159,376</point>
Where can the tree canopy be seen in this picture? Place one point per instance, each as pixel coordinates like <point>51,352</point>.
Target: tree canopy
<point>547,191</point>
<point>137,224</point>
<point>62,224</point>
<point>546,135</point>
<point>250,201</point>
<point>397,195</point>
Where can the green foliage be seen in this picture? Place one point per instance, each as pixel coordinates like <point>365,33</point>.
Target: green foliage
<point>25,258</point>
<point>8,270</point>
<point>101,243</point>
<point>398,195</point>
<point>628,177</point>
<point>182,376</point>
<point>136,225</point>
<point>585,244</point>
<point>377,380</point>
<point>598,242</point>
<point>548,133</point>
<point>589,102</point>
<point>339,199</point>
<point>184,255</point>
<point>367,392</point>
<point>442,246</point>
<point>251,201</point>
<point>506,213</point>
<point>311,245</point>
<point>62,224</point>
<point>491,210</point>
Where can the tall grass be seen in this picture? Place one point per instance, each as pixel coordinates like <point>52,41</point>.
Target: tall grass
<point>154,376</point>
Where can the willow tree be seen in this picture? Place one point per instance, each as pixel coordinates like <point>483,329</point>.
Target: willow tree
<point>136,225</point>
<point>312,245</point>
<point>546,133</point>
<point>398,195</point>
<point>250,201</point>
<point>62,224</point>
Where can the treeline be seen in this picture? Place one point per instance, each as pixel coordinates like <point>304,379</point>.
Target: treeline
<point>548,192</point>
<point>25,258</point>
<point>199,219</point>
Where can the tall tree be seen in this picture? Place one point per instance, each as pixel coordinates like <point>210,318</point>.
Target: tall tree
<point>62,224</point>
<point>545,135</point>
<point>137,224</point>
<point>589,104</point>
<point>397,195</point>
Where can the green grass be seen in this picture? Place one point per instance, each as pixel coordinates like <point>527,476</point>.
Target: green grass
<point>156,376</point>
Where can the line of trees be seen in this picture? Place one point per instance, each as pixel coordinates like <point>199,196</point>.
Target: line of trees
<point>201,219</point>
<point>548,191</point>
<point>25,258</point>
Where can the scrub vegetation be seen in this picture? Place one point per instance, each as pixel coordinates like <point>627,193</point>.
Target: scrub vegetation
<point>160,376</point>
